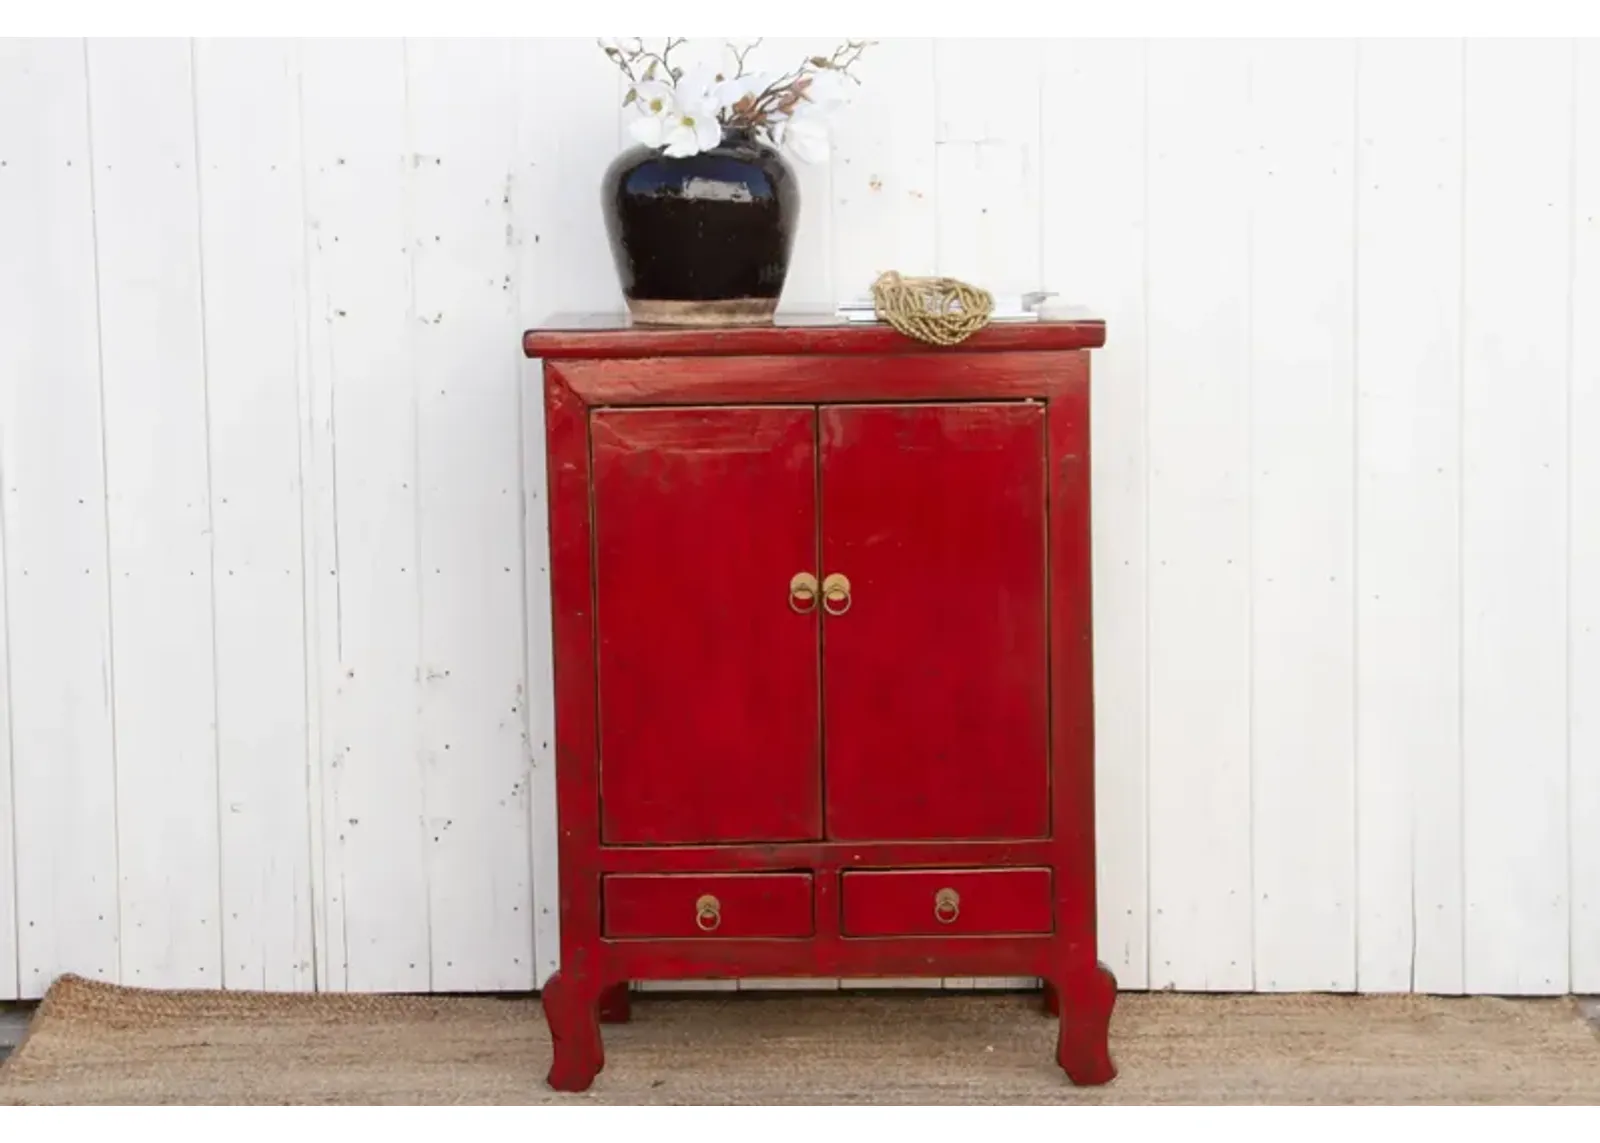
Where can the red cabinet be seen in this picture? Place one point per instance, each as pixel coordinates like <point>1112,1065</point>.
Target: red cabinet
<point>821,609</point>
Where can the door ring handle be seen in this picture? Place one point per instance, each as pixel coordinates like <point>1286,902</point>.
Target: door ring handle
<point>803,593</point>
<point>836,598</point>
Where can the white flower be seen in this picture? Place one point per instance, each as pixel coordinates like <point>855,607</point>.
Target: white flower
<point>655,103</point>
<point>680,118</point>
<point>695,130</point>
<point>694,125</point>
<point>804,131</point>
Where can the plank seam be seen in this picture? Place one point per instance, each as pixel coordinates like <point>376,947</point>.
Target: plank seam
<point>110,677</point>
<point>1461,533</point>
<point>1144,449</point>
<point>1250,524</point>
<point>1571,381</point>
<point>408,187</point>
<point>211,522</point>
<point>1356,153</point>
<point>525,578</point>
<point>310,638</point>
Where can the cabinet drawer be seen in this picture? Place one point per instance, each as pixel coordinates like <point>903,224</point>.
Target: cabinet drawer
<point>674,905</point>
<point>946,902</point>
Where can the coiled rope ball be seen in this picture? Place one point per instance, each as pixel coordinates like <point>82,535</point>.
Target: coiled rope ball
<point>939,311</point>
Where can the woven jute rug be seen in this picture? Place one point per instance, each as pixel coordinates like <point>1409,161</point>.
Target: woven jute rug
<point>92,1043</point>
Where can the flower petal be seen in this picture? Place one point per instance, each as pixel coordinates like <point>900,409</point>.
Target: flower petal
<point>707,133</point>
<point>654,97</point>
<point>698,83</point>
<point>681,142</point>
<point>649,130</point>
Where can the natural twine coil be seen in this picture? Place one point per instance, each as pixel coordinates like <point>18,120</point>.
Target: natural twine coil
<point>939,311</point>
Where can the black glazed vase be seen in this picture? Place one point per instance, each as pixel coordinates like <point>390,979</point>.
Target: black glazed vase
<point>702,240</point>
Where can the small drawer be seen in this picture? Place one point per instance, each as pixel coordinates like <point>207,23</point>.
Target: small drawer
<point>946,902</point>
<point>671,905</point>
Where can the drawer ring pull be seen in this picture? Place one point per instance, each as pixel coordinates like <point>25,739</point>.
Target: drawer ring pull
<point>803,593</point>
<point>836,594</point>
<point>708,914</point>
<point>946,906</point>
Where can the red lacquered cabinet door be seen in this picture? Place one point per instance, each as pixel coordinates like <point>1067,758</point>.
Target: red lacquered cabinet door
<point>707,675</point>
<point>936,673</point>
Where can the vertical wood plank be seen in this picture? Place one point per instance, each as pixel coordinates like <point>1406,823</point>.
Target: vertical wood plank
<point>1302,518</point>
<point>1517,230</point>
<point>563,263</point>
<point>357,155</point>
<point>1584,571</point>
<point>987,95</point>
<point>58,621</point>
<point>247,131</point>
<point>884,174</point>
<point>160,526</point>
<point>1094,255</point>
<point>1199,517</point>
<point>1408,599</point>
<point>320,536</point>
<point>476,770</point>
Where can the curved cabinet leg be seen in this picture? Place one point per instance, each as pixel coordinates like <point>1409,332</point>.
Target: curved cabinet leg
<point>615,1004</point>
<point>1052,999</point>
<point>1083,1048</point>
<point>572,1012</point>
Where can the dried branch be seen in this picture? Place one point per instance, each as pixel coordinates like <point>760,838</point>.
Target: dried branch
<point>628,58</point>
<point>739,57</point>
<point>777,101</point>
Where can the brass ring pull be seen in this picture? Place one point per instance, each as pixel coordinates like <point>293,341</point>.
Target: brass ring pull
<point>836,594</point>
<point>708,914</point>
<point>946,906</point>
<point>803,593</point>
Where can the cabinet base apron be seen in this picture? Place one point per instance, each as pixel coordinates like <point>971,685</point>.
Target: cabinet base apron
<point>578,1002</point>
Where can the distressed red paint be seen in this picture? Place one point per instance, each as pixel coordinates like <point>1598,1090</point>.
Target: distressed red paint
<point>765,770</point>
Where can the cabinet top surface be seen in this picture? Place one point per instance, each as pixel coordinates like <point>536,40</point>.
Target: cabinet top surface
<point>591,335</point>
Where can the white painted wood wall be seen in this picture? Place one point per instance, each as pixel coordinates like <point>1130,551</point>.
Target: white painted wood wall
<point>275,637</point>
